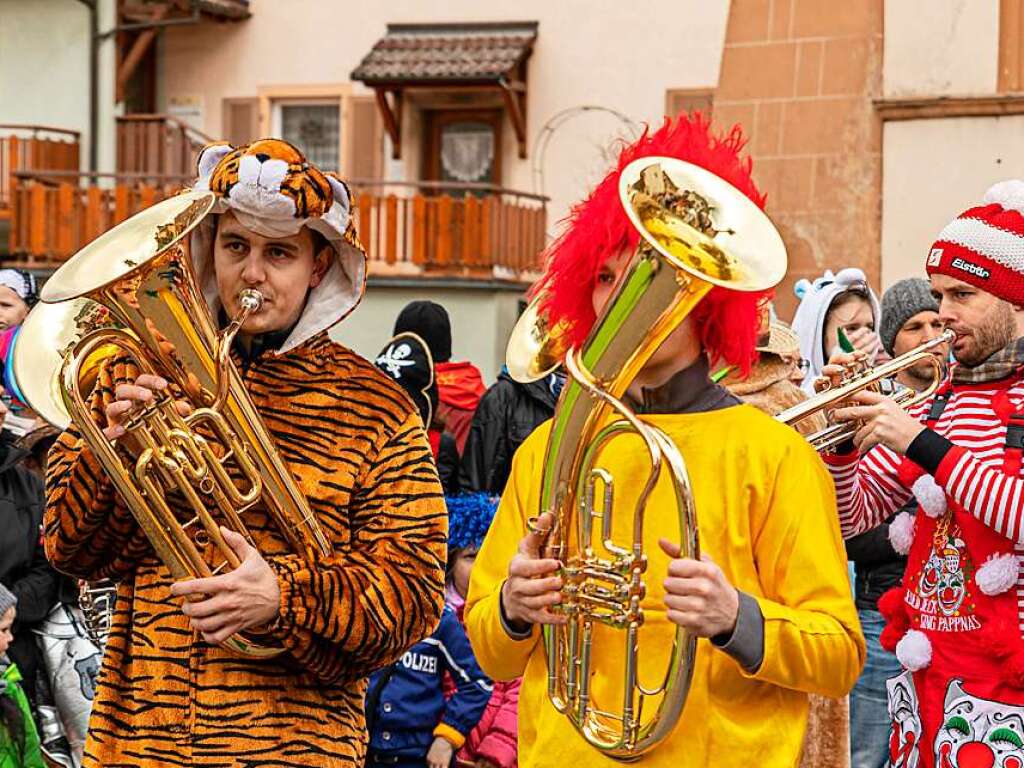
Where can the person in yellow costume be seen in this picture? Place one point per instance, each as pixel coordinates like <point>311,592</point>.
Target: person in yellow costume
<point>770,600</point>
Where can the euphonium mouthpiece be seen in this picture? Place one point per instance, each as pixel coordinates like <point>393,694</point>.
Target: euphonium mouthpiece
<point>251,300</point>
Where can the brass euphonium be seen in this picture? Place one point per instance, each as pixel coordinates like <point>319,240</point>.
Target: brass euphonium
<point>861,378</point>
<point>697,232</point>
<point>133,293</point>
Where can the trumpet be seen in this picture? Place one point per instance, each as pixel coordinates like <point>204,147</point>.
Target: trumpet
<point>860,378</point>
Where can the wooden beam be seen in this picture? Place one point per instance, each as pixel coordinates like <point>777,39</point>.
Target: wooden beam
<point>950,106</point>
<point>134,56</point>
<point>392,118</point>
<point>515,101</point>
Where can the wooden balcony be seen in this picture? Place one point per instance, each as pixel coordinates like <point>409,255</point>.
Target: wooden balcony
<point>450,229</point>
<point>24,147</point>
<point>158,145</point>
<point>412,228</point>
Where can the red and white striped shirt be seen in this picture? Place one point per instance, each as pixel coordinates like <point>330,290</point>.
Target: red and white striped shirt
<point>869,490</point>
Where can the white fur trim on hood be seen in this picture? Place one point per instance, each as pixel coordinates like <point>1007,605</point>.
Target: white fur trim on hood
<point>262,209</point>
<point>929,495</point>
<point>901,532</point>
<point>809,321</point>
<point>997,574</point>
<point>914,650</point>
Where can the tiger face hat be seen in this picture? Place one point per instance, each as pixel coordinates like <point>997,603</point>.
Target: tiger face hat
<point>274,191</point>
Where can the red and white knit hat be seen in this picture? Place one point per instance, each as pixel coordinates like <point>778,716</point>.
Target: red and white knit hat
<point>984,246</point>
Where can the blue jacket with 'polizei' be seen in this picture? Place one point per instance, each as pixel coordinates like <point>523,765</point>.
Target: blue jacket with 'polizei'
<point>410,704</point>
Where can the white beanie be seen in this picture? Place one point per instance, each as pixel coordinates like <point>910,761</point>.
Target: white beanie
<point>22,283</point>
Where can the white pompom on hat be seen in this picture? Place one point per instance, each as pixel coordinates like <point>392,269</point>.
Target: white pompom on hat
<point>1009,194</point>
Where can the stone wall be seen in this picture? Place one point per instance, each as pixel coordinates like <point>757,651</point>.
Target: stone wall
<point>800,76</point>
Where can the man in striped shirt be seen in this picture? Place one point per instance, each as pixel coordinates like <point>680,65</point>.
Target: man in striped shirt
<point>956,623</point>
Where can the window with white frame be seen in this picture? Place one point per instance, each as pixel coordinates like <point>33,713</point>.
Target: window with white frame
<point>314,126</point>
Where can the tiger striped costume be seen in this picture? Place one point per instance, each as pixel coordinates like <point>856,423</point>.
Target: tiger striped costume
<point>356,446</point>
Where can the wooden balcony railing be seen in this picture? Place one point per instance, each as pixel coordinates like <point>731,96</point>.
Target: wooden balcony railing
<point>450,228</point>
<point>56,213</point>
<point>158,145</point>
<point>25,147</point>
<point>407,228</point>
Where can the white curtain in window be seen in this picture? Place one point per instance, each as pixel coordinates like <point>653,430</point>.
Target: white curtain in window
<point>467,152</point>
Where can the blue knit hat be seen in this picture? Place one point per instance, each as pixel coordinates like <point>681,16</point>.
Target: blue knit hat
<point>469,517</point>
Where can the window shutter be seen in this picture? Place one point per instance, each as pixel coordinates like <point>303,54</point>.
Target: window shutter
<point>1011,65</point>
<point>240,120</point>
<point>365,146</point>
<point>679,100</point>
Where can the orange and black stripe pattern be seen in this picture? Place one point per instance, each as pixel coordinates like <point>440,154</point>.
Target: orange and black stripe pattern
<point>166,698</point>
<point>303,183</point>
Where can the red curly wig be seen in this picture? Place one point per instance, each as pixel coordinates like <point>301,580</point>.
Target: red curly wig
<point>597,229</point>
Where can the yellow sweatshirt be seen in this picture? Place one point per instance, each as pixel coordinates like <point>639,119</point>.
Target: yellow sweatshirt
<point>766,514</point>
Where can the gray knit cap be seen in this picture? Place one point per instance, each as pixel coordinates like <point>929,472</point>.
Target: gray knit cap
<point>7,599</point>
<point>901,302</point>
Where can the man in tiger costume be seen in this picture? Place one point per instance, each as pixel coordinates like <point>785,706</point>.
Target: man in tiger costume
<point>168,694</point>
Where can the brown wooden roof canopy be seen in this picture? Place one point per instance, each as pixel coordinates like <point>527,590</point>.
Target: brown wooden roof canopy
<point>489,55</point>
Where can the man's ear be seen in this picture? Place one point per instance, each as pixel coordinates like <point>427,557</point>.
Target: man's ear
<point>321,263</point>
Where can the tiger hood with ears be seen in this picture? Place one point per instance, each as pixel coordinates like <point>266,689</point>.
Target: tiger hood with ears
<point>275,192</point>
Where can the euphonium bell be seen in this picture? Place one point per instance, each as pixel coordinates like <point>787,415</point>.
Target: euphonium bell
<point>697,231</point>
<point>133,294</point>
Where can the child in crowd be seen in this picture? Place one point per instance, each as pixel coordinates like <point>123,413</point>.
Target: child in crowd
<point>19,740</point>
<point>410,719</point>
<point>492,744</point>
<point>406,358</point>
<point>832,302</point>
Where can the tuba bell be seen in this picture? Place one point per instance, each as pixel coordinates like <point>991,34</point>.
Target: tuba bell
<point>697,231</point>
<point>133,294</point>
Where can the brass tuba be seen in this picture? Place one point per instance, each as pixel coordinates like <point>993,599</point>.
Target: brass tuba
<point>697,232</point>
<point>860,378</point>
<point>133,293</point>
